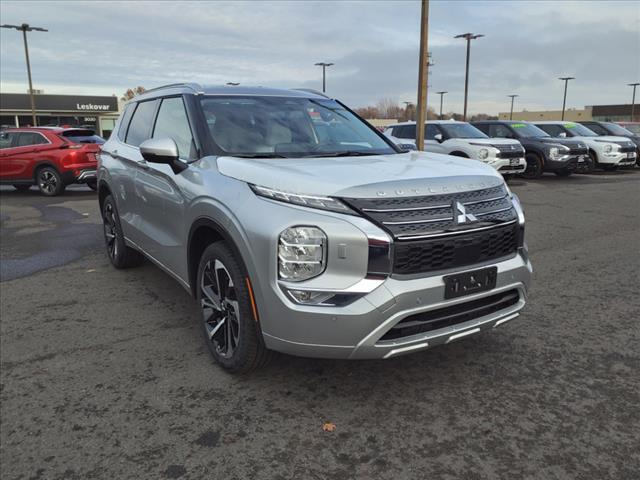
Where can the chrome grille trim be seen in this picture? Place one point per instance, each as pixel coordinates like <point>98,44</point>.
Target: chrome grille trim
<point>458,232</point>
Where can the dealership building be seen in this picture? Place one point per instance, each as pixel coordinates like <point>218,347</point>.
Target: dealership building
<point>96,112</point>
<point>602,113</point>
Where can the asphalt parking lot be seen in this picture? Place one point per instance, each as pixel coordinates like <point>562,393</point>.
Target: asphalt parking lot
<point>104,373</point>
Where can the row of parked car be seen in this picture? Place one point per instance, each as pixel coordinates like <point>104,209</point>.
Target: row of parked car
<point>529,149</point>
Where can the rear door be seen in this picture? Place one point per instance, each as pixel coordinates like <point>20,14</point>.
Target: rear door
<point>161,202</point>
<point>28,150</point>
<point>7,140</point>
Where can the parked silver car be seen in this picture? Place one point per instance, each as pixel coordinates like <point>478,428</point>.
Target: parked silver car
<point>300,228</point>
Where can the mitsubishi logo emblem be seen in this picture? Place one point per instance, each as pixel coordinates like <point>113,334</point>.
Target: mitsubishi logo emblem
<point>461,215</point>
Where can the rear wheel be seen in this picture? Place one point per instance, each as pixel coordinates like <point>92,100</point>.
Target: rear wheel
<point>22,188</point>
<point>231,331</point>
<point>119,254</point>
<point>534,167</point>
<point>49,181</point>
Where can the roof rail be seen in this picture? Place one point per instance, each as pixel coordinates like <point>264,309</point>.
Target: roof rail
<point>193,86</point>
<point>311,90</point>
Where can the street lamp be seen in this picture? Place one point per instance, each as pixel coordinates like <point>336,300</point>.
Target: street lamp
<point>441,95</point>
<point>633,99</point>
<point>468,37</point>
<point>324,66</point>
<point>564,101</point>
<point>511,113</point>
<point>407,111</point>
<point>24,28</point>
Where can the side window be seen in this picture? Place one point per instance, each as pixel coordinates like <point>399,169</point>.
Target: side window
<point>172,122</point>
<point>407,131</point>
<point>596,128</point>
<point>500,131</point>
<point>430,131</point>
<point>26,139</point>
<point>6,139</point>
<point>484,128</point>
<point>141,123</point>
<point>553,130</point>
<point>124,121</point>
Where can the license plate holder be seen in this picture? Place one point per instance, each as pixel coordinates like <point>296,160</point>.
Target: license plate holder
<point>514,162</point>
<point>581,159</point>
<point>631,155</point>
<point>467,283</point>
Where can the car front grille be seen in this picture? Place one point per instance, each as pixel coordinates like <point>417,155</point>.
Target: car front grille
<point>627,148</point>
<point>430,235</point>
<point>452,315</point>
<point>578,151</point>
<point>509,151</point>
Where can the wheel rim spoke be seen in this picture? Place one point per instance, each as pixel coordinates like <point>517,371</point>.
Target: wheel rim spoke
<point>220,308</point>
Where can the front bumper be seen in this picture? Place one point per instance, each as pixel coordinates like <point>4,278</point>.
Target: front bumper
<point>356,331</point>
<point>566,162</point>
<point>620,159</point>
<point>507,165</point>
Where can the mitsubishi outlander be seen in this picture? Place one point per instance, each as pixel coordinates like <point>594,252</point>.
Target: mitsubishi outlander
<point>299,228</point>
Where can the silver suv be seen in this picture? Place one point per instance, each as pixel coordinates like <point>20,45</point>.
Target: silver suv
<point>300,228</point>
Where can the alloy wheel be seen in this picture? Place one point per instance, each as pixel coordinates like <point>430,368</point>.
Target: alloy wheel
<point>48,182</point>
<point>220,308</point>
<point>110,231</point>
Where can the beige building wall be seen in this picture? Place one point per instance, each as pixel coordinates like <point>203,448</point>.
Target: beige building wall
<point>572,115</point>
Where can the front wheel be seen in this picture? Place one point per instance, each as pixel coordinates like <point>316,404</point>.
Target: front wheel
<point>50,182</point>
<point>230,329</point>
<point>534,167</point>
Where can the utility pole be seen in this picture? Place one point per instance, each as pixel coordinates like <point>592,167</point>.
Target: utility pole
<point>564,101</point>
<point>24,28</point>
<point>324,66</point>
<point>468,37</point>
<point>441,95</point>
<point>423,74</point>
<point>633,99</point>
<point>511,112</point>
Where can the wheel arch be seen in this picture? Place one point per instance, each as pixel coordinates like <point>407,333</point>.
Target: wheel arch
<point>203,232</point>
<point>459,153</point>
<point>103,192</point>
<point>40,164</point>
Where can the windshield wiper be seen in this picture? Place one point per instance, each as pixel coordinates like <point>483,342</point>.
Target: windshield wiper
<point>259,155</point>
<point>346,153</point>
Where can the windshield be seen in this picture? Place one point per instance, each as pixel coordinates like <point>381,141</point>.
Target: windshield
<point>617,129</point>
<point>256,127</point>
<point>461,130</point>
<point>578,130</point>
<point>633,128</point>
<point>526,130</point>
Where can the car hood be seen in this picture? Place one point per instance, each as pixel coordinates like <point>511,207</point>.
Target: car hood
<point>406,174</point>
<point>567,142</point>
<point>491,141</point>
<point>604,138</point>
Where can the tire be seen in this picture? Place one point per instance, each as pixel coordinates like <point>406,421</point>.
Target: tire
<point>120,255</point>
<point>232,335</point>
<point>93,185</point>
<point>49,181</point>
<point>22,188</point>
<point>591,164</point>
<point>534,167</point>
<point>563,172</point>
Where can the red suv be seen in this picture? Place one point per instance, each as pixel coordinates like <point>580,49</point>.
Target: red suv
<point>50,157</point>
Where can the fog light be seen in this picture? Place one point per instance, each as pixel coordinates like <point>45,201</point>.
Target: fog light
<point>301,253</point>
<point>310,298</point>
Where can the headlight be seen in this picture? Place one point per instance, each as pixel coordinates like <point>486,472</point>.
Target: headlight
<point>553,152</point>
<point>483,153</point>
<point>607,148</point>
<point>301,253</point>
<point>323,203</point>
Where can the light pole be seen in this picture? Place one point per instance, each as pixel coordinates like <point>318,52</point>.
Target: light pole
<point>633,99</point>
<point>511,112</point>
<point>24,28</point>
<point>441,95</point>
<point>408,111</point>
<point>564,101</point>
<point>324,66</point>
<point>468,37</point>
<point>423,75</point>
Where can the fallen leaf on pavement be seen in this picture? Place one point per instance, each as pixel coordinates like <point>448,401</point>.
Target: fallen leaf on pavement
<point>328,426</point>
<point>91,270</point>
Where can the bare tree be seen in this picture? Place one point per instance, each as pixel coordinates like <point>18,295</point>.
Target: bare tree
<point>132,92</point>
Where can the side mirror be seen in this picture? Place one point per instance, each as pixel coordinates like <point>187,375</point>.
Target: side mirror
<point>562,135</point>
<point>162,150</point>
<point>438,137</point>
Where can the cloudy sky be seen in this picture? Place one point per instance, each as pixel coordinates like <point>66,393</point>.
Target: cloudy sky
<point>106,47</point>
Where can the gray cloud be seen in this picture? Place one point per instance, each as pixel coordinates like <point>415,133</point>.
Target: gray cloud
<point>106,47</point>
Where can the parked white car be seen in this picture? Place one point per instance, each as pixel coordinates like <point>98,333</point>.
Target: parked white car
<point>607,152</point>
<point>462,139</point>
